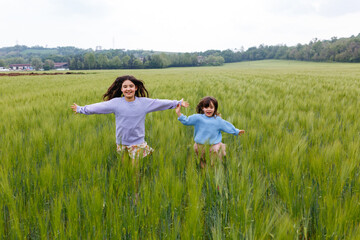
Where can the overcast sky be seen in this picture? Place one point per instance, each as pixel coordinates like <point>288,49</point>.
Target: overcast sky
<point>175,26</point>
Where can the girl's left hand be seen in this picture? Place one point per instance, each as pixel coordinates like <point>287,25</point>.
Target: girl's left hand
<point>241,132</point>
<point>184,103</point>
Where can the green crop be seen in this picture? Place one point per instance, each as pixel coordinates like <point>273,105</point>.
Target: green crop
<point>294,174</point>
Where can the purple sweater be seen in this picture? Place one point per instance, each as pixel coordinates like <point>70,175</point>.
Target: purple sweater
<point>129,116</point>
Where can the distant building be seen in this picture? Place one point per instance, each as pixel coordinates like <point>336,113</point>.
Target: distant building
<point>61,65</point>
<point>28,67</point>
<point>20,67</point>
<point>200,59</point>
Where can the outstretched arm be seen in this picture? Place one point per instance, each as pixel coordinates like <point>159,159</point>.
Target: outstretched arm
<point>229,128</point>
<point>153,105</point>
<point>105,107</point>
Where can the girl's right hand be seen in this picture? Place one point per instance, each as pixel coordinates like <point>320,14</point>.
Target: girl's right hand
<point>74,107</point>
<point>178,110</point>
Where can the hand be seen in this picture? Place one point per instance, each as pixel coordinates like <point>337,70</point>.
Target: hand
<point>178,110</point>
<point>74,107</point>
<point>184,103</point>
<point>241,132</point>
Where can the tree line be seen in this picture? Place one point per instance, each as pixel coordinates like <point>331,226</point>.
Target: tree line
<point>335,49</point>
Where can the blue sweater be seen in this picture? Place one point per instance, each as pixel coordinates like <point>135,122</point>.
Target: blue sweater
<point>129,116</point>
<point>208,129</point>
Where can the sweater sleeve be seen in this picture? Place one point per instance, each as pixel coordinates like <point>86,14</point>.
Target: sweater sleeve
<point>229,128</point>
<point>153,105</point>
<point>105,107</point>
<point>191,120</point>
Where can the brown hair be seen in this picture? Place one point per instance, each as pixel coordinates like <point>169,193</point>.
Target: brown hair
<point>115,89</point>
<point>205,102</point>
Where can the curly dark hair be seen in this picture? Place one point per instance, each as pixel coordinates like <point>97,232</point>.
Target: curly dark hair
<point>115,89</point>
<point>205,102</point>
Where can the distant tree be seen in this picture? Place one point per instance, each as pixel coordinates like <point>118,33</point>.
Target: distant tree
<point>77,62</point>
<point>15,60</point>
<point>89,60</point>
<point>57,58</point>
<point>126,61</point>
<point>159,61</point>
<point>166,60</point>
<point>80,64</point>
<point>115,63</point>
<point>156,62</point>
<point>2,63</point>
<point>102,61</point>
<point>212,52</point>
<point>131,60</point>
<point>36,63</point>
<point>214,60</point>
<point>185,59</point>
<point>73,65</point>
<point>137,63</point>
<point>49,64</point>
<point>281,52</point>
<point>335,49</point>
<point>228,55</point>
<point>194,60</point>
<point>175,59</point>
<point>147,61</point>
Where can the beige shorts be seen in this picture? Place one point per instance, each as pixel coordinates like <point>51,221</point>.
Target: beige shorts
<point>136,151</point>
<point>219,148</point>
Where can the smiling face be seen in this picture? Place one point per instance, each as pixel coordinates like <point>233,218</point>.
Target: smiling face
<point>208,106</point>
<point>128,88</point>
<point>209,110</point>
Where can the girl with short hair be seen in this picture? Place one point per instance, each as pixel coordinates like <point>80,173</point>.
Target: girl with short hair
<point>208,126</point>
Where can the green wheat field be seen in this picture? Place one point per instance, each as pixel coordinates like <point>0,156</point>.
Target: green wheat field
<point>294,174</point>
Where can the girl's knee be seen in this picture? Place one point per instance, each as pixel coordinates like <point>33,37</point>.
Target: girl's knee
<point>218,149</point>
<point>223,149</point>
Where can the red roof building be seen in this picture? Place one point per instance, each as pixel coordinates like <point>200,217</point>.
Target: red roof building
<point>20,67</point>
<point>61,65</point>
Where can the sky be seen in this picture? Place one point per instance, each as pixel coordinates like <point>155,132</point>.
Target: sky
<point>175,26</point>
